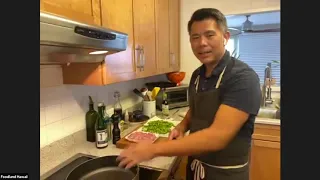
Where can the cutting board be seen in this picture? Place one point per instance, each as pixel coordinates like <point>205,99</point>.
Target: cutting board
<point>123,143</point>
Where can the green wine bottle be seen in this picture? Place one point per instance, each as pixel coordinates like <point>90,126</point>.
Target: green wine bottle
<point>101,129</point>
<point>91,117</point>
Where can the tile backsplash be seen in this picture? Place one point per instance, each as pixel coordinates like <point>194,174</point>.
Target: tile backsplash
<point>63,107</point>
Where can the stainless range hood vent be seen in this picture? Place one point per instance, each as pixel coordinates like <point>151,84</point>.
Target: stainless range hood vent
<point>65,41</point>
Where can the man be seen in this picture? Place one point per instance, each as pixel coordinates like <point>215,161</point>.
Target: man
<point>224,98</point>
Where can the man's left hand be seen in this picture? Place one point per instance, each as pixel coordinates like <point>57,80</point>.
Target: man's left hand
<point>135,154</point>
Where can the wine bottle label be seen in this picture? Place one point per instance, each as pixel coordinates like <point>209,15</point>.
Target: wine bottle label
<point>165,109</point>
<point>101,138</point>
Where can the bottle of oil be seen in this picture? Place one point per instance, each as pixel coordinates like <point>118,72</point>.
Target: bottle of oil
<point>116,130</point>
<point>101,129</point>
<point>117,105</point>
<point>165,105</point>
<point>91,117</point>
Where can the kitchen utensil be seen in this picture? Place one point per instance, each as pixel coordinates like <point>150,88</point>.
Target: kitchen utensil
<point>176,77</point>
<point>146,98</point>
<point>154,92</point>
<point>149,94</point>
<point>105,167</point>
<point>144,91</point>
<point>137,92</point>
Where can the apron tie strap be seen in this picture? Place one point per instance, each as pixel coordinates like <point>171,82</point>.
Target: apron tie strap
<point>198,168</point>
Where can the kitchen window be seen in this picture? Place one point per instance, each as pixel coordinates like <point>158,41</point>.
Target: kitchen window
<point>258,49</point>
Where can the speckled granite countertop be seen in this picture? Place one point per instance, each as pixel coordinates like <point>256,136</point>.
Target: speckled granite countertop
<point>56,153</point>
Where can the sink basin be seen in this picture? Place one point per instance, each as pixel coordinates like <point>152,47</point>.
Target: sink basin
<point>61,171</point>
<point>266,112</point>
<point>149,174</point>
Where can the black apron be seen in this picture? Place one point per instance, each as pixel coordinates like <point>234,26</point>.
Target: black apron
<point>230,163</point>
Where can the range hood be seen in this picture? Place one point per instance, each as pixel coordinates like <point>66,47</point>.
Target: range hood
<point>64,41</point>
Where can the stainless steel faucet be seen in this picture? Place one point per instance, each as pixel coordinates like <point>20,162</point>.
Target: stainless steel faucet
<point>266,88</point>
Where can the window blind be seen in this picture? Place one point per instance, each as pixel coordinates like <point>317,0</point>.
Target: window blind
<point>258,49</point>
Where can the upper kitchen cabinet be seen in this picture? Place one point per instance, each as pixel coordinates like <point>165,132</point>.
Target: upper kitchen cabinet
<point>167,35</point>
<point>174,38</point>
<point>153,46</point>
<point>118,14</point>
<point>162,35</point>
<point>137,19</point>
<point>144,37</point>
<point>87,11</point>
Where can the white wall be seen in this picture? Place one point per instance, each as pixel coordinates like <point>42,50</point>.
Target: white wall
<point>63,107</point>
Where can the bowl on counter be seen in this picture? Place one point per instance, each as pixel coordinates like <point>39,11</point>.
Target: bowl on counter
<point>176,77</point>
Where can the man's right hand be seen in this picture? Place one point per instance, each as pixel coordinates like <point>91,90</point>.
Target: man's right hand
<point>176,134</point>
<point>180,129</point>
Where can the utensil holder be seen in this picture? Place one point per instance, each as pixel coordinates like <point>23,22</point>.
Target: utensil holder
<point>149,108</point>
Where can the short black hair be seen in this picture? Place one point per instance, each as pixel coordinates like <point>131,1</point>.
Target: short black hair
<point>209,13</point>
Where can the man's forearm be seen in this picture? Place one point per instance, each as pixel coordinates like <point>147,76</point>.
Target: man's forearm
<point>184,124</point>
<point>196,143</point>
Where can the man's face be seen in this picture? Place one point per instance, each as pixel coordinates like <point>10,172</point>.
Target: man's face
<point>207,41</point>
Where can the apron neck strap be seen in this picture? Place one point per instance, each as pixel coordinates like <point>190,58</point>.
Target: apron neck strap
<point>220,77</point>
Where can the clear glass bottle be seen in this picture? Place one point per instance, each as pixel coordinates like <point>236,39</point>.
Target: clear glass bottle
<point>108,122</point>
<point>165,105</point>
<point>117,105</point>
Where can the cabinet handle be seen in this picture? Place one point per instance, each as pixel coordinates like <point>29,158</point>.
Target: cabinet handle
<point>138,60</point>
<point>143,58</point>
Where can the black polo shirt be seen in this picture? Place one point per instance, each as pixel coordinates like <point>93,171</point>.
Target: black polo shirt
<point>239,87</point>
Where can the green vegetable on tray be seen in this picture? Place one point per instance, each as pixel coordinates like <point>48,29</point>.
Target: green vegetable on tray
<point>158,126</point>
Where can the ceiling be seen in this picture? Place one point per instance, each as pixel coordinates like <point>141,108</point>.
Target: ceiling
<point>257,19</point>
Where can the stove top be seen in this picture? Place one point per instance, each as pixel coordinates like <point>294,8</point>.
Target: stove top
<point>61,171</point>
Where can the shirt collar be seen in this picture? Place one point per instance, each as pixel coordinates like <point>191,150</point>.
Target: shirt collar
<point>219,68</point>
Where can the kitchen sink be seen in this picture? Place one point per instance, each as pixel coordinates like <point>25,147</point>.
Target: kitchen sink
<point>149,174</point>
<point>62,170</point>
<point>269,112</point>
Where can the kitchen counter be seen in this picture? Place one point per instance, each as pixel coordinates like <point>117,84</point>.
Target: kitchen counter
<point>259,120</point>
<point>59,151</point>
<point>54,154</point>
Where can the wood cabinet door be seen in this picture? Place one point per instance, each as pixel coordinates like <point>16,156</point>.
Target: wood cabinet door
<point>118,15</point>
<point>144,36</point>
<point>174,31</point>
<point>162,36</point>
<point>86,11</point>
<point>265,160</point>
